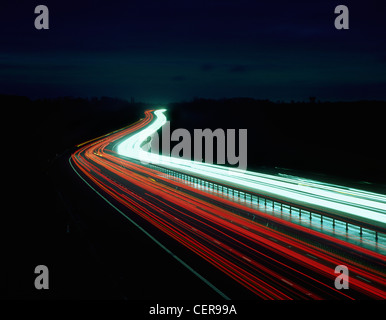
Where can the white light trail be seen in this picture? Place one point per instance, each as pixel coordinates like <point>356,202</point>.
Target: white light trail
<point>352,203</point>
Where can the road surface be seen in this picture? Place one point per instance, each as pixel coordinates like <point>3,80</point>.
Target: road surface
<point>272,257</point>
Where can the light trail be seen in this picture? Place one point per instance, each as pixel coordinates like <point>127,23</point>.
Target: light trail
<point>269,263</point>
<point>362,206</point>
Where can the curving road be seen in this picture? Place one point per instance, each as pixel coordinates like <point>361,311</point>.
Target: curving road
<point>271,257</point>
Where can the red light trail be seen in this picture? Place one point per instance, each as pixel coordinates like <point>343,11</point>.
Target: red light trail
<point>270,263</point>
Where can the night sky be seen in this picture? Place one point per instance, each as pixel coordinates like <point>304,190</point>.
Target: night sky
<point>163,51</point>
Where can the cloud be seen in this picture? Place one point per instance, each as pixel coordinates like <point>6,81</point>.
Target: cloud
<point>178,78</point>
<point>238,69</point>
<point>233,68</point>
<point>207,67</point>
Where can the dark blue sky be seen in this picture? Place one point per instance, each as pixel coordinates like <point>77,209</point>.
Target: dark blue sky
<point>161,51</point>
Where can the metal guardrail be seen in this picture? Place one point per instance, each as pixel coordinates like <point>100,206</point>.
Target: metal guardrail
<point>266,200</point>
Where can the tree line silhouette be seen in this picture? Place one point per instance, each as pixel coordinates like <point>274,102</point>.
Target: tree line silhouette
<point>343,139</point>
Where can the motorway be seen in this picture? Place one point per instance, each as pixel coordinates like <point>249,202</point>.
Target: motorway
<point>271,257</point>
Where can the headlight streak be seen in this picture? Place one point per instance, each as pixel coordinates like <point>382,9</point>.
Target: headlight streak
<point>235,245</point>
<point>362,206</point>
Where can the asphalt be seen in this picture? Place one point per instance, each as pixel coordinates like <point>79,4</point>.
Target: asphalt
<point>92,252</point>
